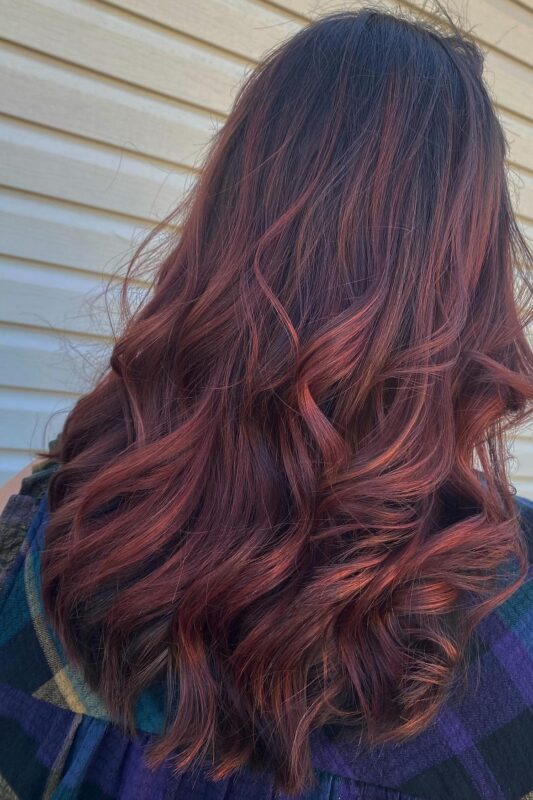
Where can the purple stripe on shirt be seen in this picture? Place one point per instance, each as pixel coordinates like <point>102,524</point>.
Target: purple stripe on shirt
<point>464,749</point>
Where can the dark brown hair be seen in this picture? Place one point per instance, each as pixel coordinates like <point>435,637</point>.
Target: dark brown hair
<point>287,498</point>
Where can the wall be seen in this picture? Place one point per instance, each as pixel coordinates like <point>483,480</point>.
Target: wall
<point>105,111</point>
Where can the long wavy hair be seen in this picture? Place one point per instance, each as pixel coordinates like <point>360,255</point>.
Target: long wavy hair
<point>287,498</point>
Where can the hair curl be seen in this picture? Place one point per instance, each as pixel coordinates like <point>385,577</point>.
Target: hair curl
<point>287,497</point>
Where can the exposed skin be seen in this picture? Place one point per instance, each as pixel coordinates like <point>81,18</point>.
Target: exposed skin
<point>12,486</point>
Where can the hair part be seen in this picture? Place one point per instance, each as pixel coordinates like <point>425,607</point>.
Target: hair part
<point>272,499</point>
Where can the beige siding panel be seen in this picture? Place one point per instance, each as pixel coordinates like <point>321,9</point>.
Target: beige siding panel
<point>510,82</point>
<point>28,421</point>
<point>39,90</point>
<point>46,162</point>
<point>123,47</point>
<point>519,133</point>
<point>522,184</point>
<point>246,28</point>
<point>38,359</point>
<point>309,9</point>
<point>527,229</point>
<point>501,24</point>
<point>40,229</point>
<point>32,414</point>
<point>522,450</point>
<point>40,295</point>
<point>63,300</point>
<point>42,372</point>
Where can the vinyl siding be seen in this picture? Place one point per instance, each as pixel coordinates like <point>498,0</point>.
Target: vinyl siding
<point>106,109</point>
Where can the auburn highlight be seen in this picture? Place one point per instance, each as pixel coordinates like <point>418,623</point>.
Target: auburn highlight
<point>287,497</point>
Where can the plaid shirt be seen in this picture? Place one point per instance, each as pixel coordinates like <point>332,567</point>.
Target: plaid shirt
<point>57,741</point>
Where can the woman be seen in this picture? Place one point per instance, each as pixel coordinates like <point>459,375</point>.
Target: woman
<point>275,551</point>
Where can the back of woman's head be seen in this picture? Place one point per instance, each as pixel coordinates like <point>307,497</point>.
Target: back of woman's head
<point>288,496</point>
